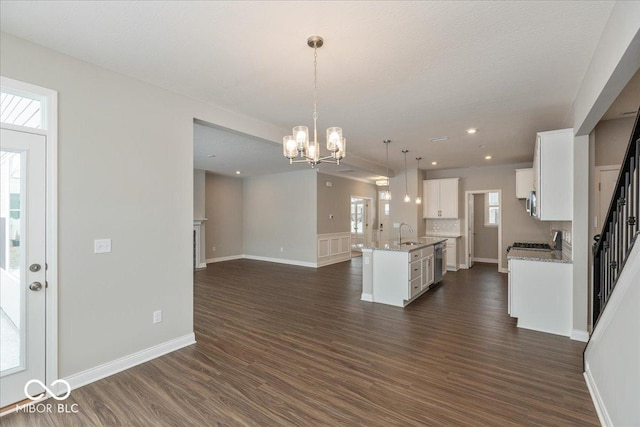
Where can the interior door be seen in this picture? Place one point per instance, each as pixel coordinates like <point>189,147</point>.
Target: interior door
<point>470,231</point>
<point>22,264</point>
<point>357,222</point>
<point>607,182</point>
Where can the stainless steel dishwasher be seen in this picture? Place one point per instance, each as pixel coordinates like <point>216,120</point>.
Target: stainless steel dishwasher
<point>437,252</point>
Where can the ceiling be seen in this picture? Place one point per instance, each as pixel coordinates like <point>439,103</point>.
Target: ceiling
<point>405,71</point>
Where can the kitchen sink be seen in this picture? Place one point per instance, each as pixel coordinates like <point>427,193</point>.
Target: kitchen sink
<point>411,243</point>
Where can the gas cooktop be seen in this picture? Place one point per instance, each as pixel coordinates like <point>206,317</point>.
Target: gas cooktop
<point>530,246</point>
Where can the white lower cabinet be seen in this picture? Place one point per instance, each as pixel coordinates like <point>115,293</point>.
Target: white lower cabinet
<point>400,277</point>
<point>540,295</point>
<point>452,254</point>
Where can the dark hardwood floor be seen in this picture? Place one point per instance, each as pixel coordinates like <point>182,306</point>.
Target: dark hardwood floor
<point>284,345</point>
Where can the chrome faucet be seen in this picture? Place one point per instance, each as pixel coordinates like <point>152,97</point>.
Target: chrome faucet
<point>400,232</point>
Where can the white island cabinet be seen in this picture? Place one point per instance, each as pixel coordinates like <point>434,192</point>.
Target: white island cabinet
<point>397,275</point>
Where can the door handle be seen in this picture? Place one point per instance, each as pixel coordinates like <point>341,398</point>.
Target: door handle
<point>35,286</point>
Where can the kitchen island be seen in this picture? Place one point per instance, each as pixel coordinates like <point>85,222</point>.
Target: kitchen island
<point>397,274</point>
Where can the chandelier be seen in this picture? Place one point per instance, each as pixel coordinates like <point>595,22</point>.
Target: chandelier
<point>298,145</point>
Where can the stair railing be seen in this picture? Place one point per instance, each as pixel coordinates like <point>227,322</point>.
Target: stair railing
<point>620,228</point>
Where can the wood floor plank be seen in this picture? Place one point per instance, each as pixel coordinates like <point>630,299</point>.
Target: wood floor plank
<point>280,345</point>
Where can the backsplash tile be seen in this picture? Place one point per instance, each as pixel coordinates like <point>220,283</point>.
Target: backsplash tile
<point>449,226</point>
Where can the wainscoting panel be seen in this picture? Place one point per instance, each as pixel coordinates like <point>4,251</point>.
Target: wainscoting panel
<point>333,248</point>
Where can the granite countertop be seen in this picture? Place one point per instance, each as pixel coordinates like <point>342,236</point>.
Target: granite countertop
<point>443,234</point>
<point>534,255</point>
<point>423,242</point>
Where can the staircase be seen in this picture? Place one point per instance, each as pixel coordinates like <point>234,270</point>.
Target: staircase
<point>611,358</point>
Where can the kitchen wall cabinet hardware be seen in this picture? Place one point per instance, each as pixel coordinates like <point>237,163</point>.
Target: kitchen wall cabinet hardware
<point>440,198</point>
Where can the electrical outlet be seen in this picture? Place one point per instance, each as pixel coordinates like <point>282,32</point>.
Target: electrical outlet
<point>157,316</point>
<point>281,249</point>
<point>396,225</point>
<point>214,249</point>
<point>101,246</point>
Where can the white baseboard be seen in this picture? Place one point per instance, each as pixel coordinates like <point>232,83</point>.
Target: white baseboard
<point>579,335</point>
<point>464,266</point>
<point>322,262</point>
<point>504,270</point>
<point>224,258</point>
<point>107,369</point>
<point>282,261</point>
<point>601,409</point>
<point>202,265</point>
<point>487,260</point>
<point>366,297</point>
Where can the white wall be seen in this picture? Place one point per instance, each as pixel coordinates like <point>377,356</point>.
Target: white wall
<point>615,61</point>
<point>125,173</point>
<point>280,211</point>
<point>611,358</point>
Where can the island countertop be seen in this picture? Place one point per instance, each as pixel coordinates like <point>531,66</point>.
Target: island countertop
<point>421,242</point>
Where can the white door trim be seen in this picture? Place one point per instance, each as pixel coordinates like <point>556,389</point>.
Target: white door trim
<point>596,177</point>
<point>49,99</point>
<point>466,225</point>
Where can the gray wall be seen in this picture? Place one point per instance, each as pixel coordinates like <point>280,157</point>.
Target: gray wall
<point>336,201</point>
<point>224,207</point>
<point>517,225</point>
<point>280,211</point>
<point>611,140</point>
<point>400,211</point>
<point>198,193</point>
<point>485,244</point>
<point>125,172</point>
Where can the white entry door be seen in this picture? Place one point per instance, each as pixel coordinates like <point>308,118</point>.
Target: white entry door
<point>22,264</point>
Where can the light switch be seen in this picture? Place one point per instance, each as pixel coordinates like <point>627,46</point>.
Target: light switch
<point>101,246</point>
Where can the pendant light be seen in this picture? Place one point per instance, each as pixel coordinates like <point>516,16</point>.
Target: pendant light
<point>298,144</point>
<point>407,198</point>
<point>418,198</point>
<point>387,194</point>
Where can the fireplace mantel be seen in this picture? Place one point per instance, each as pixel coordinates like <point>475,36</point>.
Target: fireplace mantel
<point>197,243</point>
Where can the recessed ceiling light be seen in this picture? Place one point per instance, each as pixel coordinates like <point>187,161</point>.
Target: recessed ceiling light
<point>237,172</point>
<point>487,157</point>
<point>472,130</point>
<point>434,163</point>
<point>211,155</point>
<point>439,139</point>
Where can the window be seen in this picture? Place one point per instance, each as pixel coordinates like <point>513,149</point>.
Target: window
<point>491,209</point>
<point>20,111</point>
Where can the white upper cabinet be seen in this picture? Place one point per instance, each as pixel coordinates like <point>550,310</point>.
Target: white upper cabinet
<point>553,175</point>
<point>440,198</point>
<point>524,183</point>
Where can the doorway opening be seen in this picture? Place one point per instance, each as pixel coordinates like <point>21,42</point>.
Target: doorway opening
<point>483,228</point>
<point>360,223</point>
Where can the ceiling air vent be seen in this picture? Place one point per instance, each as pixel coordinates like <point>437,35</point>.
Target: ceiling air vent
<point>439,139</point>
